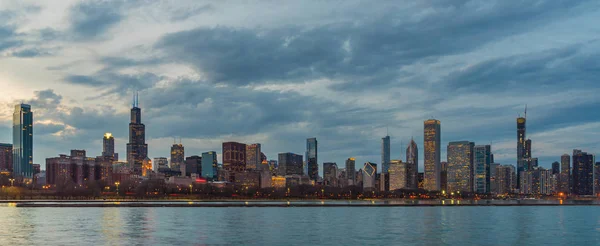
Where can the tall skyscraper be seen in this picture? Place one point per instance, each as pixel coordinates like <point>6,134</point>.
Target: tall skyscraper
<point>444,176</point>
<point>6,158</point>
<point>312,158</point>
<point>351,171</point>
<point>330,174</point>
<point>23,142</point>
<point>412,165</point>
<point>482,171</point>
<point>460,166</point>
<point>193,165</point>
<point>290,164</point>
<point>108,147</point>
<point>177,156</point>
<point>234,156</point>
<point>209,165</point>
<point>160,163</point>
<point>432,142</point>
<point>565,173</point>
<point>253,156</point>
<point>137,149</point>
<point>583,173</point>
<point>369,176</point>
<point>504,179</point>
<point>521,148</point>
<point>398,175</point>
<point>385,154</point>
<point>555,167</point>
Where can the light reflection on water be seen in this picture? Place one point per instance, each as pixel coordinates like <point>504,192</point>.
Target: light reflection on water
<point>558,225</point>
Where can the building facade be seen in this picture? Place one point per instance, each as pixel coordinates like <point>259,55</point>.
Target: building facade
<point>193,165</point>
<point>398,175</point>
<point>460,166</point>
<point>504,179</point>
<point>23,142</point>
<point>369,177</point>
<point>432,142</point>
<point>312,160</point>
<point>108,146</point>
<point>330,174</point>
<point>521,148</point>
<point>177,156</point>
<point>565,174</point>
<point>253,156</point>
<point>6,157</point>
<point>583,173</point>
<point>160,163</point>
<point>137,149</point>
<point>412,165</point>
<point>290,164</point>
<point>385,154</point>
<point>482,172</point>
<point>209,165</point>
<point>351,171</point>
<point>234,156</point>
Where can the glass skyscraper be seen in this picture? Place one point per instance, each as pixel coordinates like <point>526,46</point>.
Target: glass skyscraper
<point>209,165</point>
<point>312,159</point>
<point>385,154</point>
<point>521,148</point>
<point>351,171</point>
<point>432,142</point>
<point>412,165</point>
<point>23,142</point>
<point>137,149</point>
<point>481,166</point>
<point>460,166</point>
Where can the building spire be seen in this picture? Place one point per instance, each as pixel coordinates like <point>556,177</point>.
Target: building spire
<point>525,111</point>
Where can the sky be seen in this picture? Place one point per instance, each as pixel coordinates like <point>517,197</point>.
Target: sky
<point>278,72</point>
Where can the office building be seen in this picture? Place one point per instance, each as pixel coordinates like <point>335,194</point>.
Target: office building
<point>177,156</point>
<point>6,157</point>
<point>209,165</point>
<point>23,142</point>
<point>565,174</point>
<point>412,165</point>
<point>253,156</point>
<point>504,179</point>
<point>75,169</point>
<point>494,177</point>
<point>369,177</point>
<point>460,166</point>
<point>583,173</point>
<point>312,159</point>
<point>137,149</point>
<point>351,171</point>
<point>444,175</point>
<point>521,148</point>
<point>597,178</point>
<point>481,165</point>
<point>193,165</point>
<point>432,142</point>
<point>555,167</point>
<point>234,156</point>
<point>147,167</point>
<point>108,146</point>
<point>385,154</point>
<point>398,175</point>
<point>160,163</point>
<point>290,164</point>
<point>330,174</point>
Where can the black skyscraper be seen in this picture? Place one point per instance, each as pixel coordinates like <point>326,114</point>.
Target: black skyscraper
<point>583,173</point>
<point>137,149</point>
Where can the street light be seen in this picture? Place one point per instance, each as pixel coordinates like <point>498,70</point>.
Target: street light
<point>117,184</point>
<point>12,182</point>
<point>190,189</point>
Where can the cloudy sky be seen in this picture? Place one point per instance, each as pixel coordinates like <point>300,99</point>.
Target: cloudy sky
<point>278,72</point>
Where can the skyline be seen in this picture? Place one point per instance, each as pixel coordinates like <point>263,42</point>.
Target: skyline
<point>476,84</point>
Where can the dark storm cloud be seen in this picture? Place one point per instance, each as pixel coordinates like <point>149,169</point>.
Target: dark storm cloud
<point>364,50</point>
<point>114,82</point>
<point>91,19</point>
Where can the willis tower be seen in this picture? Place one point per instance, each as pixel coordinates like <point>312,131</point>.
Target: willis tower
<point>137,149</point>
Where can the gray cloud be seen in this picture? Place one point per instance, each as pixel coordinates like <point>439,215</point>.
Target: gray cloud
<point>186,12</point>
<point>91,19</point>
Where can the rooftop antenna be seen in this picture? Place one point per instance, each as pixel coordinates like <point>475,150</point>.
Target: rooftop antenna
<point>137,99</point>
<point>133,101</point>
<point>525,111</point>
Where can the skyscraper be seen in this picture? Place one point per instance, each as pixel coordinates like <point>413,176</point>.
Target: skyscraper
<point>583,173</point>
<point>177,156</point>
<point>412,165</point>
<point>108,147</point>
<point>23,142</point>
<point>369,176</point>
<point>330,174</point>
<point>521,148</point>
<point>398,175</point>
<point>351,171</point>
<point>385,154</point>
<point>565,173</point>
<point>482,163</point>
<point>193,165</point>
<point>6,158</point>
<point>290,164</point>
<point>209,165</point>
<point>137,149</point>
<point>160,163</point>
<point>253,157</point>
<point>312,158</point>
<point>460,166</point>
<point>504,179</point>
<point>555,167</point>
<point>234,156</point>
<point>432,142</point>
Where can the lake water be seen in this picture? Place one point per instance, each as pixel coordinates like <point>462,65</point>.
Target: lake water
<point>531,225</point>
